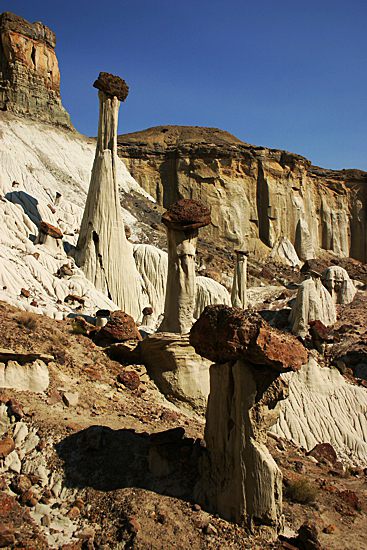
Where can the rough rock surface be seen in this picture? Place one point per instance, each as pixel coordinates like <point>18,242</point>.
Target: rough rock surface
<point>338,283</point>
<point>179,372</point>
<point>186,215</point>
<point>112,86</point>
<point>313,303</point>
<point>252,192</point>
<point>225,334</point>
<point>103,251</point>
<point>29,72</point>
<point>120,327</point>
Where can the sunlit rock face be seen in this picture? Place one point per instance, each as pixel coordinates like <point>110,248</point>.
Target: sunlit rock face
<point>254,193</point>
<point>29,72</point>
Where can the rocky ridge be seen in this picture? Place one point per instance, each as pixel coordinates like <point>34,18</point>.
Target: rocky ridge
<point>256,195</point>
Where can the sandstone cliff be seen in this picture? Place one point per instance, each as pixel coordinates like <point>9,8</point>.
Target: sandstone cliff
<point>253,192</point>
<point>29,72</point>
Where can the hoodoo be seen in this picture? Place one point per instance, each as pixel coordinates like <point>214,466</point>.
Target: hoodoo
<point>103,251</point>
<point>182,220</point>
<point>239,288</point>
<point>239,478</point>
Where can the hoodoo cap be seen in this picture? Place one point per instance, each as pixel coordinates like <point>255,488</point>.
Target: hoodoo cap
<point>112,85</point>
<point>186,214</point>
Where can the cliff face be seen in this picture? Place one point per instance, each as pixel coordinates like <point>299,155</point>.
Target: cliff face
<point>253,192</point>
<point>29,72</point>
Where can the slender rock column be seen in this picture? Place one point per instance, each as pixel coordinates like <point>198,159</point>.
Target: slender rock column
<point>103,251</point>
<point>239,288</point>
<point>182,220</point>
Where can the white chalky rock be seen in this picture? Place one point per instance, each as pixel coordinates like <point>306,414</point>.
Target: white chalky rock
<point>12,462</point>
<point>4,418</point>
<point>303,242</point>
<point>32,377</point>
<point>313,302</point>
<point>323,408</point>
<point>239,288</point>
<point>20,433</point>
<point>284,251</point>
<point>209,292</point>
<point>103,251</point>
<point>338,283</point>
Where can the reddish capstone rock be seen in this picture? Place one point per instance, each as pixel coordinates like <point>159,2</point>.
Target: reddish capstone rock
<point>225,333</point>
<point>120,327</point>
<point>324,452</point>
<point>50,230</point>
<point>112,85</point>
<point>186,215</point>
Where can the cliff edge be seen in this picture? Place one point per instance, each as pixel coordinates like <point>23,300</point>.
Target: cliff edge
<point>29,72</point>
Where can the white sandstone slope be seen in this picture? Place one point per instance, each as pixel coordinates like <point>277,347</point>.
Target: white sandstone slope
<point>323,408</point>
<point>44,174</point>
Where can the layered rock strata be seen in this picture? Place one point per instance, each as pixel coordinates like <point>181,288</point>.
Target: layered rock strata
<point>239,478</point>
<point>103,251</point>
<point>253,192</point>
<point>29,72</point>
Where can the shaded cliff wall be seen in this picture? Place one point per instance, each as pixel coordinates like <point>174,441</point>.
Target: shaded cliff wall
<point>253,192</point>
<point>29,72</point>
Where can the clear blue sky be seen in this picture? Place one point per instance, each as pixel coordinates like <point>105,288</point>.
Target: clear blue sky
<point>285,74</point>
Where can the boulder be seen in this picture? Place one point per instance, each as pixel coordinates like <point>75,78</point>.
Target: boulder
<point>120,327</point>
<point>226,334</point>
<point>180,374</point>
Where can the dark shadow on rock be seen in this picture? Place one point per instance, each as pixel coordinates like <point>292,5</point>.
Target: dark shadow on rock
<point>27,202</point>
<point>106,460</point>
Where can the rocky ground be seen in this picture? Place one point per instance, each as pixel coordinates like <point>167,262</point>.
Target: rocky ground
<point>81,468</point>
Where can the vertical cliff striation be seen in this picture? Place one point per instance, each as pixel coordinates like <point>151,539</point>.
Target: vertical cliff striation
<point>253,192</point>
<point>29,72</point>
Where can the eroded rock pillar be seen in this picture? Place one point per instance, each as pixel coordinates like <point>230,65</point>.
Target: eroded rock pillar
<point>182,220</point>
<point>239,478</point>
<point>103,251</point>
<point>239,288</point>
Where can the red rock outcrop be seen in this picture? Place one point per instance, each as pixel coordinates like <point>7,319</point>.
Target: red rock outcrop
<point>29,72</point>
<point>225,334</point>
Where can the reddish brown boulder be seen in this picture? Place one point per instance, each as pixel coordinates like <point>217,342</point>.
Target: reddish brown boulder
<point>225,333</point>
<point>50,230</point>
<point>350,498</point>
<point>318,331</point>
<point>130,379</point>
<point>308,536</point>
<point>324,452</point>
<point>120,327</point>
<point>7,445</point>
<point>24,292</point>
<point>112,86</point>
<point>186,215</point>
